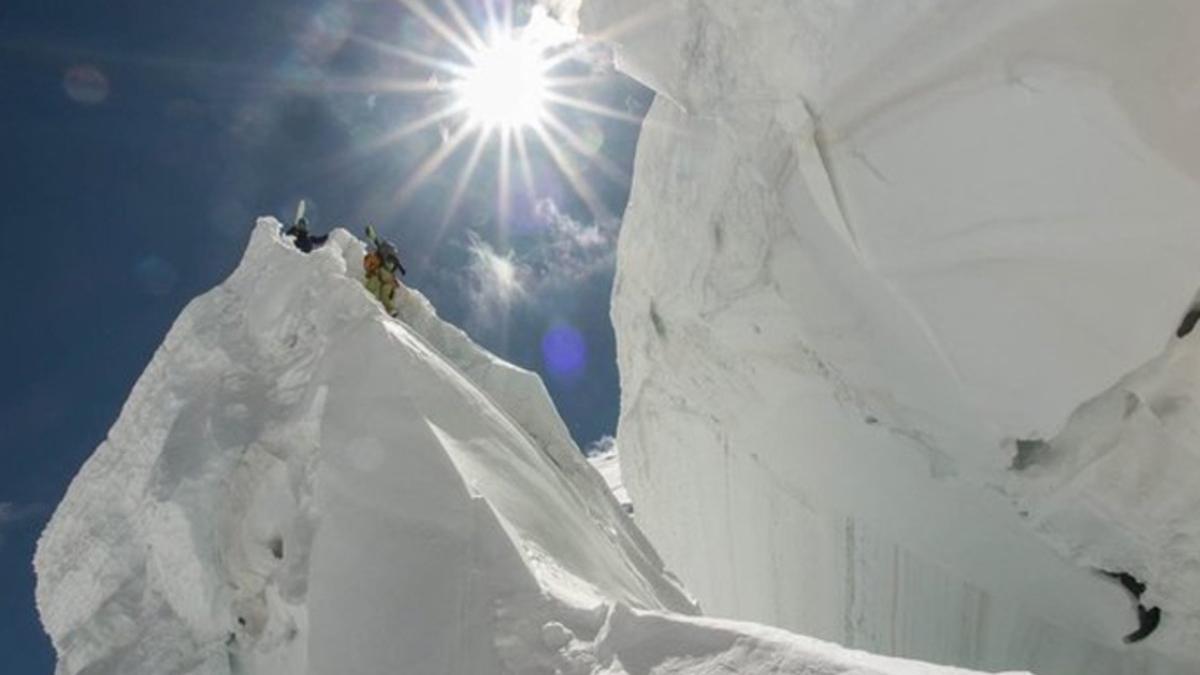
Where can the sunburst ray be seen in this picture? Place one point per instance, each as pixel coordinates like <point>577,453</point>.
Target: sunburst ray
<point>435,23</point>
<point>443,65</point>
<point>432,164</point>
<point>464,24</point>
<point>572,174</point>
<point>464,179</point>
<point>516,67</point>
<point>503,170</point>
<point>572,139</point>
<point>592,107</point>
<point>526,165</point>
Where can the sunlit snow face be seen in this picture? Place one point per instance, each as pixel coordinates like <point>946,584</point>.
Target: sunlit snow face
<point>505,86</point>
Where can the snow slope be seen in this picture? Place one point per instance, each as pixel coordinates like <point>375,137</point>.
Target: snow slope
<point>870,246</point>
<point>607,463</point>
<point>300,484</point>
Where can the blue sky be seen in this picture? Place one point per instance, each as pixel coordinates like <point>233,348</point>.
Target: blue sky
<point>141,139</point>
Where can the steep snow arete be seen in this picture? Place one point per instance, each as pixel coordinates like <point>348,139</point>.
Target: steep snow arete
<point>300,484</point>
<point>884,270</point>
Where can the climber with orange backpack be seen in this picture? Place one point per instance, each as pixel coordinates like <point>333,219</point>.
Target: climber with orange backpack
<point>380,266</point>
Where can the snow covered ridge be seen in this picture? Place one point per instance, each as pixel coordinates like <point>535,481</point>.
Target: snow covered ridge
<point>874,247</point>
<point>300,484</point>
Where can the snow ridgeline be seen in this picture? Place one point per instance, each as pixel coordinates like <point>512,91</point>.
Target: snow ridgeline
<point>873,248</point>
<point>300,484</point>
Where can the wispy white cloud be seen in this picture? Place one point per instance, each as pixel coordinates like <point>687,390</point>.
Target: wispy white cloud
<point>554,25</point>
<point>605,445</point>
<point>569,250</point>
<point>547,30</point>
<point>6,511</point>
<point>11,514</point>
<point>560,253</point>
<point>496,280</point>
<point>571,230</point>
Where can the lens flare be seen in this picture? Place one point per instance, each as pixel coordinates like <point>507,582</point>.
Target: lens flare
<point>564,351</point>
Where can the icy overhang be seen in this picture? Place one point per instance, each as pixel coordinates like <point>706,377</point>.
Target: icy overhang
<point>1022,176</point>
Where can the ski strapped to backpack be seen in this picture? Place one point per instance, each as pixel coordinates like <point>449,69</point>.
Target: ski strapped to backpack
<point>386,251</point>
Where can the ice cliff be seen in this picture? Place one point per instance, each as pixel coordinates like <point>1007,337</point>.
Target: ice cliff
<point>301,484</point>
<point>873,250</point>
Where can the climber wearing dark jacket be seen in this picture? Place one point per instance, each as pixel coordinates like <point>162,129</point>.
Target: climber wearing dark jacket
<point>305,241</point>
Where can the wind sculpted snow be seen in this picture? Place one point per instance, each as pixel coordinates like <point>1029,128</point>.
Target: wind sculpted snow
<point>1116,488</point>
<point>300,484</point>
<point>874,247</point>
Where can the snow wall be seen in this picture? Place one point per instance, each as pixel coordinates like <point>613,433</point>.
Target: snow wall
<point>872,249</point>
<point>299,484</point>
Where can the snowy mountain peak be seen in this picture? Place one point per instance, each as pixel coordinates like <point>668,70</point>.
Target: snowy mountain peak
<point>298,479</point>
<point>300,484</point>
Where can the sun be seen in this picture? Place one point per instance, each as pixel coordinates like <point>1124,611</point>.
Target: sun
<point>505,87</point>
<point>513,88</point>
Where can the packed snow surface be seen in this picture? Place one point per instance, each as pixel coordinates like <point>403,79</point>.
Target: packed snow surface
<point>1117,488</point>
<point>300,484</point>
<point>607,463</point>
<point>875,247</point>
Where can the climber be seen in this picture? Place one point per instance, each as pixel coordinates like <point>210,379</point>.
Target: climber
<point>379,267</point>
<point>304,241</point>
